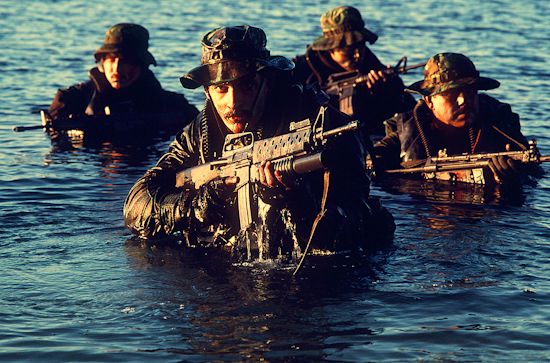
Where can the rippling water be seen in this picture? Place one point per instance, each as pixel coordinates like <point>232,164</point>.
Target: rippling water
<point>467,279</point>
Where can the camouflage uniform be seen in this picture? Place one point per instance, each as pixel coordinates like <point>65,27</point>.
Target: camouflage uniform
<point>343,26</point>
<point>155,207</point>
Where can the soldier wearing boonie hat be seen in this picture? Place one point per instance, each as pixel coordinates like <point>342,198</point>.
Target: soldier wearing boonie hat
<point>229,53</point>
<point>248,89</point>
<point>342,26</point>
<point>342,48</point>
<point>130,40</point>
<point>121,81</point>
<point>447,71</point>
<point>452,116</point>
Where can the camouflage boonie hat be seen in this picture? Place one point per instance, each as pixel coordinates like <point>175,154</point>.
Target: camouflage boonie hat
<point>131,40</point>
<point>229,53</point>
<point>342,26</point>
<point>446,71</point>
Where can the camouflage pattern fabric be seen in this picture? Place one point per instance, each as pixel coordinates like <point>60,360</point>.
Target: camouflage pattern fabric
<point>446,71</point>
<point>342,26</point>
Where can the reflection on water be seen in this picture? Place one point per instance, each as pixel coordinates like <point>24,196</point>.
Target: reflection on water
<point>453,192</point>
<point>253,312</point>
<point>112,158</point>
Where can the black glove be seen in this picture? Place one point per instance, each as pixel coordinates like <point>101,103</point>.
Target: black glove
<point>211,200</point>
<point>505,168</point>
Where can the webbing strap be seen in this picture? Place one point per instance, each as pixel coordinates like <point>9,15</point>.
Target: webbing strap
<point>317,219</point>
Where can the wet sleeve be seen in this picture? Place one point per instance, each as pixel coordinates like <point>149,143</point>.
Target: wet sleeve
<point>386,153</point>
<point>71,101</point>
<point>155,207</point>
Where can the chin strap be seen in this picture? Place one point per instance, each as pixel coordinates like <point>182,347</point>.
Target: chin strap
<point>320,216</point>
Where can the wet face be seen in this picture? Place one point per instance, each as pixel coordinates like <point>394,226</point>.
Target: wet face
<point>350,57</point>
<point>458,107</point>
<point>241,103</point>
<point>121,72</point>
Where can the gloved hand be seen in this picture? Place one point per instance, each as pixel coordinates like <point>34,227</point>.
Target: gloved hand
<point>505,169</point>
<point>212,198</point>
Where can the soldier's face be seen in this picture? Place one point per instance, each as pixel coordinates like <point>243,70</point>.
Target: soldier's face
<point>121,72</point>
<point>240,103</point>
<point>351,57</point>
<point>458,107</point>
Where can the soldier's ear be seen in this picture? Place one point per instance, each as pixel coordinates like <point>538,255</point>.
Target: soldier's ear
<point>100,65</point>
<point>429,102</point>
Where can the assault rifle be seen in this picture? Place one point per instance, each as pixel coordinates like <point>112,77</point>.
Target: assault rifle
<point>61,124</point>
<point>456,163</point>
<point>342,84</point>
<point>111,123</point>
<point>298,152</point>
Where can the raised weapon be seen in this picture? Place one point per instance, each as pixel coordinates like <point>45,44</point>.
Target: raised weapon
<point>298,152</point>
<point>343,85</point>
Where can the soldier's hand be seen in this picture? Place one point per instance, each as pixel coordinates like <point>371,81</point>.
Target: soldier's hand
<point>212,198</point>
<point>274,179</point>
<point>505,169</point>
<point>375,79</point>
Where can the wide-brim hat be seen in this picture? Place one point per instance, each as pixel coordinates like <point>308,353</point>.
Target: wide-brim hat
<point>342,26</point>
<point>229,53</point>
<point>446,71</point>
<point>131,40</point>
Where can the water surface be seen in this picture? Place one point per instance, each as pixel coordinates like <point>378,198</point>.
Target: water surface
<point>467,277</point>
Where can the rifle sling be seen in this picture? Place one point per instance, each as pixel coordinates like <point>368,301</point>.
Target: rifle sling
<point>320,216</point>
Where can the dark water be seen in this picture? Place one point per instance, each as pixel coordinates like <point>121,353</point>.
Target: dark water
<point>467,279</point>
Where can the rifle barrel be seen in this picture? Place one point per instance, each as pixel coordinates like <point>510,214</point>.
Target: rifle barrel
<point>403,70</point>
<point>26,128</point>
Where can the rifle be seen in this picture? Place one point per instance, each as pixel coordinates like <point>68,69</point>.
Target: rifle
<point>472,161</point>
<point>298,152</point>
<point>342,85</point>
<point>47,124</point>
<point>110,123</point>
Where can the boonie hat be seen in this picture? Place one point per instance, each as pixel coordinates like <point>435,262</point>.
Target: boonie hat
<point>446,71</point>
<point>131,40</point>
<point>342,26</point>
<point>229,53</point>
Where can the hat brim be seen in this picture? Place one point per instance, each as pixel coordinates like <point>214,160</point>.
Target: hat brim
<point>144,57</point>
<point>228,71</point>
<point>481,83</point>
<point>344,39</point>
